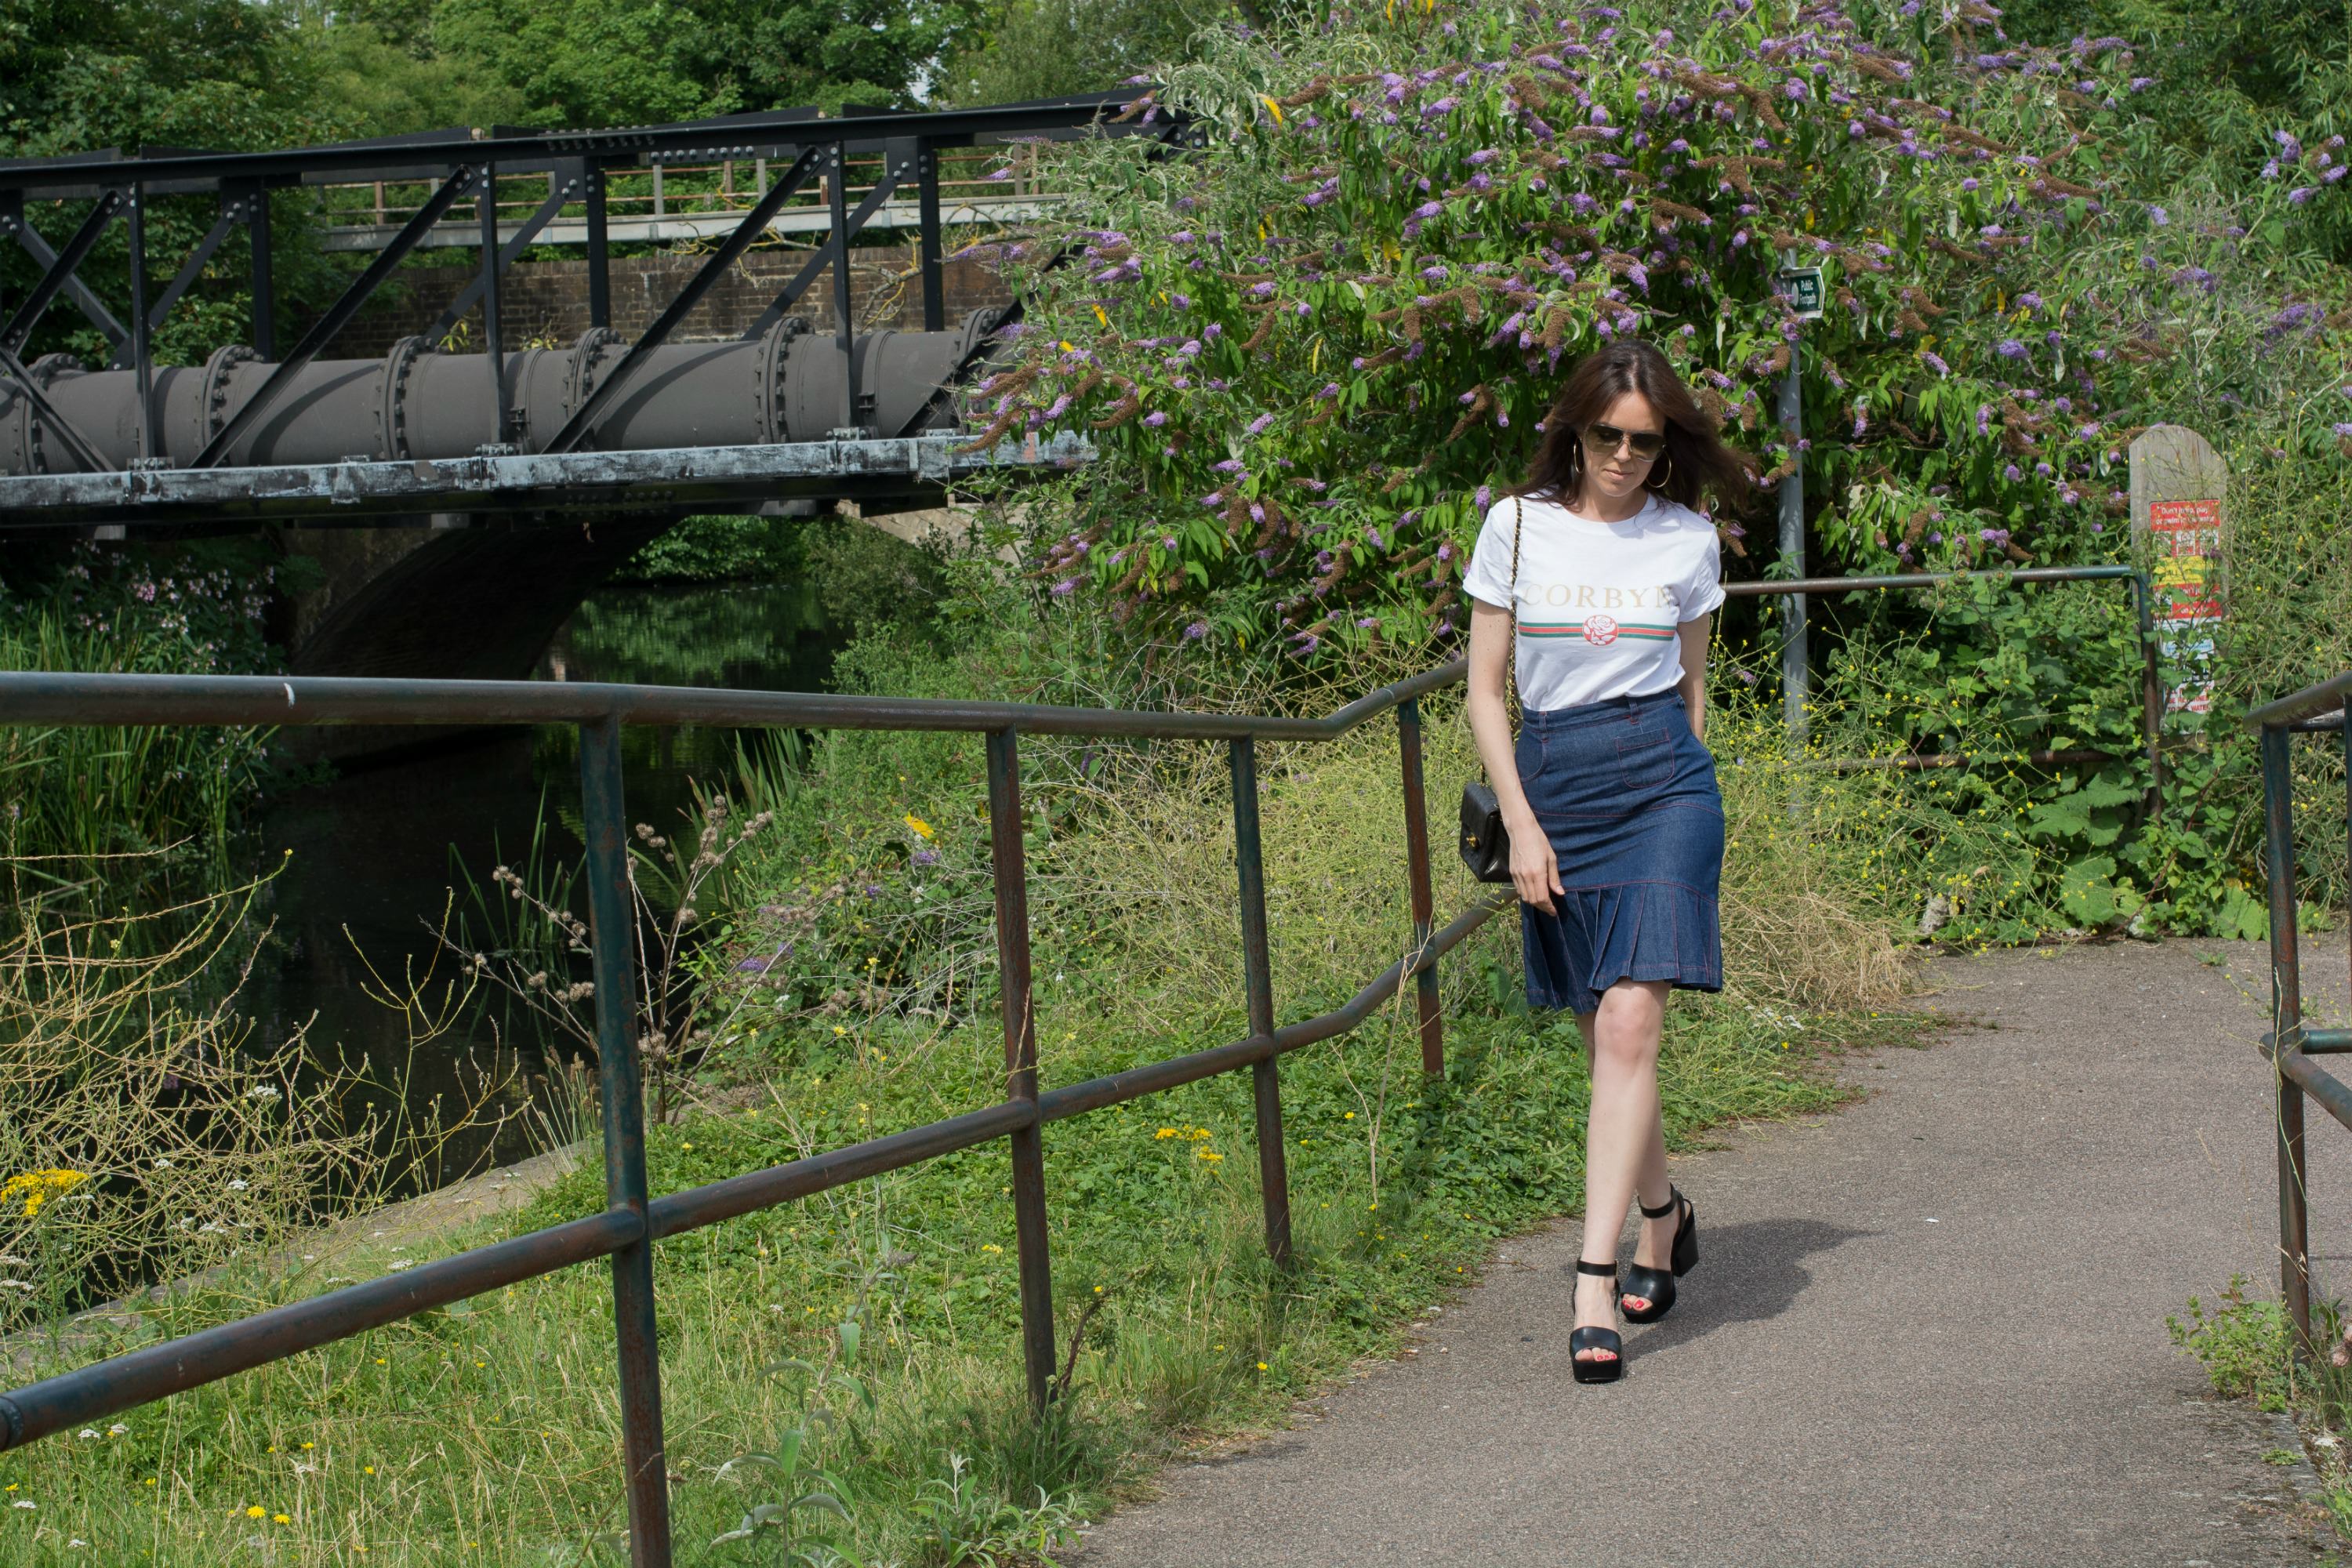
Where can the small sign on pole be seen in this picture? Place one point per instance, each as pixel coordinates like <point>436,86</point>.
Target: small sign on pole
<point>1801,287</point>
<point>2180,496</point>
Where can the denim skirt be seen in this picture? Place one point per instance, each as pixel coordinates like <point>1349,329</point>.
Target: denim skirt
<point>1627,795</point>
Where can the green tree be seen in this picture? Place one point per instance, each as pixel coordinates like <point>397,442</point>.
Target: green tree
<point>1047,49</point>
<point>79,75</point>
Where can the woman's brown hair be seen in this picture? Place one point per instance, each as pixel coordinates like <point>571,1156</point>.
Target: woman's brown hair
<point>1696,462</point>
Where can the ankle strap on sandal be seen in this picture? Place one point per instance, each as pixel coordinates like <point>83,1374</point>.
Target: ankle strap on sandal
<point>1606,1270</point>
<point>1673,1201</point>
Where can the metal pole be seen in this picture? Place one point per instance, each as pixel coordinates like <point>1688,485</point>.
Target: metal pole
<point>1257,975</point>
<point>1416,858</point>
<point>2151,694</point>
<point>837,195</point>
<point>2286,1020</point>
<point>600,280</point>
<point>613,916</point>
<point>1795,686</point>
<point>493,340</point>
<point>265,316</point>
<point>926,210</point>
<point>1009,866</point>
<point>143,354</point>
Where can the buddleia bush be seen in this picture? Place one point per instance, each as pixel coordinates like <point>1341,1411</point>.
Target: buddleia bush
<point>1311,346</point>
<point>1309,349</point>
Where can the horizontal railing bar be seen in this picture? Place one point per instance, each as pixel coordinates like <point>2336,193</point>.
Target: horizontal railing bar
<point>85,700</point>
<point>1920,761</point>
<point>2318,1042</point>
<point>1135,1082</point>
<point>2309,702</point>
<point>755,1190</point>
<point>154,1372</point>
<point>1358,1007</point>
<point>2335,1096</point>
<point>1925,579</point>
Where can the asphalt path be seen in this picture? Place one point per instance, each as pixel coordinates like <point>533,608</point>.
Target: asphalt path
<point>1926,1329</point>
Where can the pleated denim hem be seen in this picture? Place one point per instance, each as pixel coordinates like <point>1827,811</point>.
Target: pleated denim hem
<point>1636,931</point>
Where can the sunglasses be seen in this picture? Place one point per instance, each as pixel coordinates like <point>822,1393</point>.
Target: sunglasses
<point>1604,439</point>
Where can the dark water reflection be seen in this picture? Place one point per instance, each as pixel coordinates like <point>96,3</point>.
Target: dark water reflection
<point>376,852</point>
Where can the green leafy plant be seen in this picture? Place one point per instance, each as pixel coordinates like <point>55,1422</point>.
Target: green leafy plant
<point>806,1530</point>
<point>964,1523</point>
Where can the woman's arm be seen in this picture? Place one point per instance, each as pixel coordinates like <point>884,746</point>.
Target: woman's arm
<point>1695,634</point>
<point>1535,872</point>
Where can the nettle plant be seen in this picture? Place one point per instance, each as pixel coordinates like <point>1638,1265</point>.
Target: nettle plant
<point>1309,351</point>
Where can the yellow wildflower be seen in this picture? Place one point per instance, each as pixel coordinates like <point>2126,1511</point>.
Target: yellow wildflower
<point>923,829</point>
<point>1271,108</point>
<point>37,1187</point>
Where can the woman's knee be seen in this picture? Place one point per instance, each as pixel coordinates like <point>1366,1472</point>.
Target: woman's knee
<point>1626,1027</point>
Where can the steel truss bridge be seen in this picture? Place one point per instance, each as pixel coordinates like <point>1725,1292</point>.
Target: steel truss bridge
<point>649,426</point>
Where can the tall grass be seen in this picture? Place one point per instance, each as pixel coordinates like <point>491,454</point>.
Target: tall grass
<point>77,795</point>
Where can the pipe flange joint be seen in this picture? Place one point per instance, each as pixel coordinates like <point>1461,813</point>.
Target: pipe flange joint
<point>768,393</point>
<point>214,399</point>
<point>594,344</point>
<point>392,412</point>
<point>45,372</point>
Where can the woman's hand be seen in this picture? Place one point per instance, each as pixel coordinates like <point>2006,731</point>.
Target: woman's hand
<point>1535,871</point>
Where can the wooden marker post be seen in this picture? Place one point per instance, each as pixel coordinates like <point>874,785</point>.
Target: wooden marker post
<point>2180,511</point>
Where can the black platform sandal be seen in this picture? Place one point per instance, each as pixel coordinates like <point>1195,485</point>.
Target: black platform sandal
<point>1596,1370</point>
<point>1656,1286</point>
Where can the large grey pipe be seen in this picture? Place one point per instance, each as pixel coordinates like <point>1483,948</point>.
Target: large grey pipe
<point>412,404</point>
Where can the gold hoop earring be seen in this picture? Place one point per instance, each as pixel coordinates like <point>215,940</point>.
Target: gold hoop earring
<point>1659,483</point>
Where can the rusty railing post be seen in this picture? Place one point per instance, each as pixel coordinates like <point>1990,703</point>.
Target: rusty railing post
<point>2286,1028</point>
<point>1416,855</point>
<point>613,930</point>
<point>2151,695</point>
<point>1257,974</point>
<point>1008,864</point>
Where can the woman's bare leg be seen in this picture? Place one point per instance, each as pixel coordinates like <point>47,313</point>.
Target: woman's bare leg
<point>1625,1147</point>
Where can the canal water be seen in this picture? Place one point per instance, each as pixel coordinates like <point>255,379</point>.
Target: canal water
<point>379,852</point>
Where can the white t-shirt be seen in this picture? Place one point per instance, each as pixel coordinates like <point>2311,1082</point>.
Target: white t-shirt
<point>1601,604</point>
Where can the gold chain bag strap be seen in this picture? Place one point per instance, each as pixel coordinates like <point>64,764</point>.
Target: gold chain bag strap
<point>1485,847</point>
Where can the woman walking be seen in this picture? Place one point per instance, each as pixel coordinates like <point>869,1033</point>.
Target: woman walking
<point>1597,582</point>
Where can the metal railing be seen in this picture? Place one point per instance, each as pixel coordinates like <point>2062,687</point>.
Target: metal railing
<point>2290,1044</point>
<point>665,202</point>
<point>634,1219</point>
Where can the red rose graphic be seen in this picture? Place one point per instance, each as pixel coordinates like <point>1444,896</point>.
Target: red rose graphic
<point>1600,630</point>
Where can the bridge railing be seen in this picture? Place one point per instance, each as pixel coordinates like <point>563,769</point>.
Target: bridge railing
<point>2292,1043</point>
<point>665,202</point>
<point>634,1218</point>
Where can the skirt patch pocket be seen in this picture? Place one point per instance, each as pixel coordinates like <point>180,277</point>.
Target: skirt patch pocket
<point>1646,762</point>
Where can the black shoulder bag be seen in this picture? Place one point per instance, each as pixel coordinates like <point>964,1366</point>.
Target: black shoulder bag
<point>1485,847</point>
